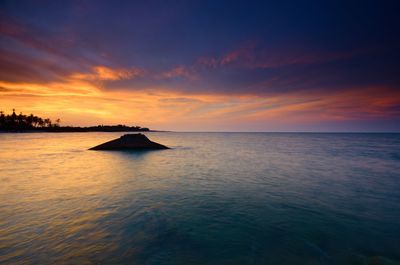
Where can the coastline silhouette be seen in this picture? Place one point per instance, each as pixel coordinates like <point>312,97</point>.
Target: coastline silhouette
<point>32,123</point>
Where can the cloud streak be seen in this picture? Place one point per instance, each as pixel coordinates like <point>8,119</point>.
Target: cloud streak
<point>178,72</point>
<point>251,56</point>
<point>106,73</point>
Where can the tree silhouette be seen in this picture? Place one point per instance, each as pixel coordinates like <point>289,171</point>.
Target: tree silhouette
<point>16,122</point>
<point>21,122</point>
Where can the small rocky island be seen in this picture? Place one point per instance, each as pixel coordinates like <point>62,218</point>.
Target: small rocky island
<point>135,141</point>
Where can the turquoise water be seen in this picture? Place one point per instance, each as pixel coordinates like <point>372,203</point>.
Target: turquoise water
<point>215,198</point>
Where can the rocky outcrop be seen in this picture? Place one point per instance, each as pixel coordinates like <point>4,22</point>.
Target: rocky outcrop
<point>136,141</point>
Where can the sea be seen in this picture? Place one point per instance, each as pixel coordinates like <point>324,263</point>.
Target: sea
<point>213,198</point>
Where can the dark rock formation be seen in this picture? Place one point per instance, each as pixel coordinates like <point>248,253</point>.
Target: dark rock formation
<point>136,141</point>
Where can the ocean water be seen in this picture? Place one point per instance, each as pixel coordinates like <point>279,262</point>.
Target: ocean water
<point>214,198</point>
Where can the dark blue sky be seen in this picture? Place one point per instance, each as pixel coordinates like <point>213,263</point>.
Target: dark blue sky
<point>306,50</point>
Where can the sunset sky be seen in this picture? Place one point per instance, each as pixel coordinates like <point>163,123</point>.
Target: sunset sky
<point>204,65</point>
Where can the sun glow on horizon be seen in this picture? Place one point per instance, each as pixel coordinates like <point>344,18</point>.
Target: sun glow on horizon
<point>80,100</point>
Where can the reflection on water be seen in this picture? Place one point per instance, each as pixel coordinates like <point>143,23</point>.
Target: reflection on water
<point>215,198</point>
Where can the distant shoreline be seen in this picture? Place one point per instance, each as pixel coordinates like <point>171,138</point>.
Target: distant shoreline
<point>13,123</point>
<point>16,132</point>
<point>80,129</point>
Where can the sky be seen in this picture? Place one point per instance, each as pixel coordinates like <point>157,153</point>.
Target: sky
<point>323,66</point>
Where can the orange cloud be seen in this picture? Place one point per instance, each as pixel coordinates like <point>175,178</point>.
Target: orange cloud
<point>107,73</point>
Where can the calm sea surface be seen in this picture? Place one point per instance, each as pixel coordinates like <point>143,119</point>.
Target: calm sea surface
<point>215,198</point>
